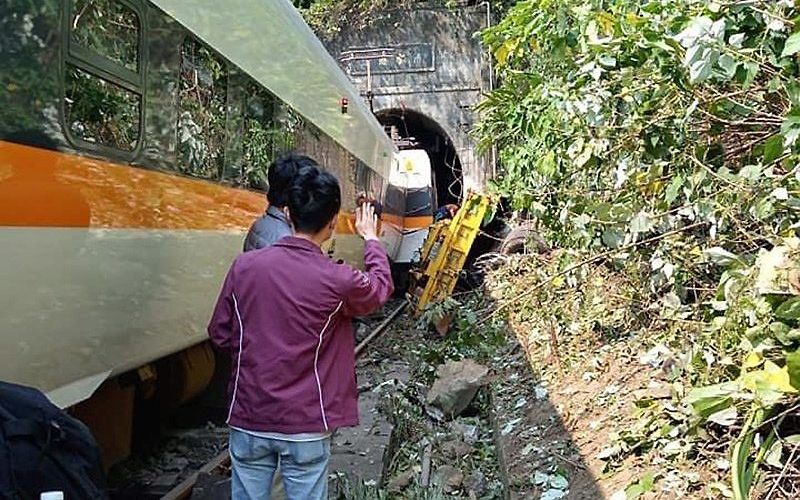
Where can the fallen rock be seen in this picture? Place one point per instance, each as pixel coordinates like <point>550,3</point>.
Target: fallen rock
<point>449,478</point>
<point>456,384</point>
<point>401,481</point>
<point>468,432</point>
<point>476,483</point>
<point>456,449</point>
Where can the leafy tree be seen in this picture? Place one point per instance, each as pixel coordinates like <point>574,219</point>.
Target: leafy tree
<point>328,17</point>
<point>27,28</point>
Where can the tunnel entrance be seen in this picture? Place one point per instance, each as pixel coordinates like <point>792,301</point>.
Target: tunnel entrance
<point>421,132</point>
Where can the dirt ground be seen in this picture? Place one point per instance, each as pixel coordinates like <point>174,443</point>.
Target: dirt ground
<point>550,432</point>
<point>520,438</point>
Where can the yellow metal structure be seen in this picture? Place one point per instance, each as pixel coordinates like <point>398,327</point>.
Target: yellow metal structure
<point>445,250</point>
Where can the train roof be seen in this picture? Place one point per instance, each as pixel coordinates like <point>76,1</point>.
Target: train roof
<point>269,40</point>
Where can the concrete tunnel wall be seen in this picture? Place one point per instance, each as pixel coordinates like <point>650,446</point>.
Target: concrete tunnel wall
<point>447,77</point>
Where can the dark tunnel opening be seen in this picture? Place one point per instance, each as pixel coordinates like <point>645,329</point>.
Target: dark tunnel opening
<point>425,133</point>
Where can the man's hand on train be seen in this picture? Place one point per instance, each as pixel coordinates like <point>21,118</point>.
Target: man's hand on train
<point>367,222</point>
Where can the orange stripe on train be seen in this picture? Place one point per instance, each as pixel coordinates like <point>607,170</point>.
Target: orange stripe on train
<point>43,188</point>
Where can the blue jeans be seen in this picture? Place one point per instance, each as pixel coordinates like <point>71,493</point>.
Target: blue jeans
<point>254,460</point>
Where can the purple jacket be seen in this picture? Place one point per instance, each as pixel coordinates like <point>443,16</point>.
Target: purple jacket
<point>284,314</point>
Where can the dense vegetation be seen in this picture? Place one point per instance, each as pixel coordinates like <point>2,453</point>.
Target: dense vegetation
<point>660,140</point>
<point>328,17</point>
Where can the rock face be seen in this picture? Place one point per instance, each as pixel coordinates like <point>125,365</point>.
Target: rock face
<point>437,68</point>
<point>456,384</point>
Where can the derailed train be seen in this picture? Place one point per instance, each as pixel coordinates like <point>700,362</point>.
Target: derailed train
<point>133,139</point>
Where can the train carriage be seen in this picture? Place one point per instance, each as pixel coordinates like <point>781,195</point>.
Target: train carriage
<point>134,139</point>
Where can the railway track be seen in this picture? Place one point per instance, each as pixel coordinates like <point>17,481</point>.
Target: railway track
<point>218,466</point>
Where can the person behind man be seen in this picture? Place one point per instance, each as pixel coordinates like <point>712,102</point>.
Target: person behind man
<point>285,315</point>
<point>273,225</point>
<point>445,212</point>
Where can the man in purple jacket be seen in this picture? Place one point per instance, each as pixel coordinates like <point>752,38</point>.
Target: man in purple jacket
<point>285,315</point>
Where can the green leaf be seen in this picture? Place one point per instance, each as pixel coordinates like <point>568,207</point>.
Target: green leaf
<point>793,366</point>
<point>764,209</point>
<point>700,69</point>
<point>647,481</point>
<point>547,164</point>
<point>633,492</point>
<point>663,46</point>
<point>642,486</point>
<point>674,189</point>
<point>607,61</point>
<point>750,71</point>
<point>613,238</point>
<point>769,384</point>
<point>790,309</point>
<point>713,398</point>
<point>721,257</point>
<point>725,418</point>
<point>750,172</point>
<point>793,91</point>
<point>792,45</point>
<point>781,332</point>
<point>728,65</point>
<point>741,470</point>
<point>773,149</point>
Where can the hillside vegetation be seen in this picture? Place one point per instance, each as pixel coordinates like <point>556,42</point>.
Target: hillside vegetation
<point>655,145</point>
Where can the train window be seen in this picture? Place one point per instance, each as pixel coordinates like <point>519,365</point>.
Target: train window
<point>108,27</point>
<point>203,111</point>
<point>269,131</point>
<point>100,112</point>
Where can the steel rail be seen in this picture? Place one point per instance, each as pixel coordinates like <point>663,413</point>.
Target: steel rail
<point>380,328</point>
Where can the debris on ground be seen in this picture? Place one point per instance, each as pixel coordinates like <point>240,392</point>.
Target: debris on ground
<point>456,384</point>
<point>429,455</point>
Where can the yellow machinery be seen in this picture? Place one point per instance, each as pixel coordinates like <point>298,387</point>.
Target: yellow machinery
<point>444,252</point>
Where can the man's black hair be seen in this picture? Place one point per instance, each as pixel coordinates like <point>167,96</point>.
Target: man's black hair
<point>280,176</point>
<point>314,199</point>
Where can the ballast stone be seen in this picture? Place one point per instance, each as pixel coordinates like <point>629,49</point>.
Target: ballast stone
<point>455,386</point>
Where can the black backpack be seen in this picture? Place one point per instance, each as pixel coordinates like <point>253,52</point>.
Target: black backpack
<point>44,449</point>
